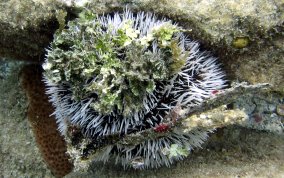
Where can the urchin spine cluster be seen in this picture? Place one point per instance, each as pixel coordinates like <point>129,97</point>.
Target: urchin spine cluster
<point>151,154</point>
<point>184,77</point>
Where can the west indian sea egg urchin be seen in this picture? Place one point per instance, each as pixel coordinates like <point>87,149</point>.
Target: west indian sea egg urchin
<point>123,73</point>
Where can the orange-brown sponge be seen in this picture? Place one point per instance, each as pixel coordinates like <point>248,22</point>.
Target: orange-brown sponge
<point>50,142</point>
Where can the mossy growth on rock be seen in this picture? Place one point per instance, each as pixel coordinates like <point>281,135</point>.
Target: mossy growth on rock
<point>119,65</point>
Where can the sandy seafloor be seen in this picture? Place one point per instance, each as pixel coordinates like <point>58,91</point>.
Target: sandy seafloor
<point>230,152</point>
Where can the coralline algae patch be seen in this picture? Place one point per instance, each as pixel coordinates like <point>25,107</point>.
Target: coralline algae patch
<point>124,73</point>
<point>50,142</point>
<point>264,111</point>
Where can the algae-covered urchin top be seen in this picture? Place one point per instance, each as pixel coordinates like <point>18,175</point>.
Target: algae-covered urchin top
<point>123,73</point>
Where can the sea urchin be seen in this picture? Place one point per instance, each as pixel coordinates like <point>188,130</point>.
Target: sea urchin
<point>123,73</point>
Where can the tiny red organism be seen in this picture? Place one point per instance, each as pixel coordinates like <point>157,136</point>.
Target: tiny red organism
<point>214,92</point>
<point>257,117</point>
<point>162,128</point>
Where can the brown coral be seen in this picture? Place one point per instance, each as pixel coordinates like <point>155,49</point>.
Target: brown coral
<point>50,142</point>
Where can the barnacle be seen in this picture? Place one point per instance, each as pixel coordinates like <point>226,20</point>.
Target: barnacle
<point>123,73</point>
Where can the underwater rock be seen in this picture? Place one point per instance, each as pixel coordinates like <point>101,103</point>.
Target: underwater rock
<point>26,28</point>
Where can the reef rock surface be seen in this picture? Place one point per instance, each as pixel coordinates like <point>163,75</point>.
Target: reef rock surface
<point>246,36</point>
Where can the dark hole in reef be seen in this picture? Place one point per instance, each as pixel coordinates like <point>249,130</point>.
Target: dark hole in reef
<point>197,76</point>
<point>121,54</point>
<point>93,95</point>
<point>64,46</point>
<point>89,81</point>
<point>230,106</point>
<point>76,135</point>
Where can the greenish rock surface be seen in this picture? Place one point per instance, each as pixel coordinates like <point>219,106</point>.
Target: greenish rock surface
<point>26,28</point>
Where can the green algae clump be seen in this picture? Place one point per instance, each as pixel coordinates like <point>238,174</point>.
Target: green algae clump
<point>175,150</point>
<point>240,42</point>
<point>117,66</point>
